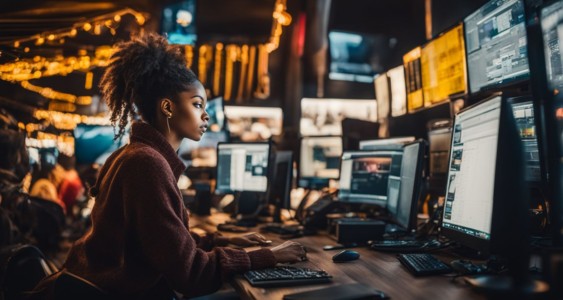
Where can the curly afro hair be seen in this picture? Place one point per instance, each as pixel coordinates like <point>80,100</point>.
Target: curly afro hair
<point>141,72</point>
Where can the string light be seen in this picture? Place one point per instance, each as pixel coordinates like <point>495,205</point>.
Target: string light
<point>69,121</point>
<point>49,93</point>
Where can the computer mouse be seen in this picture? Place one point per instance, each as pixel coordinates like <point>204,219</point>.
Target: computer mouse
<point>346,255</point>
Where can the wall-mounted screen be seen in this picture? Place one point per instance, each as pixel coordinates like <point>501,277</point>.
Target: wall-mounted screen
<point>497,52</point>
<point>443,67</point>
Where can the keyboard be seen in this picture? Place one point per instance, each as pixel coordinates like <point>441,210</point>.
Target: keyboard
<point>286,276</point>
<point>422,264</point>
<point>282,229</point>
<point>409,246</point>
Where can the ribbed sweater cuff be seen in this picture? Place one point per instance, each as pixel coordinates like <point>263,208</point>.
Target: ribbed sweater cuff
<point>260,259</point>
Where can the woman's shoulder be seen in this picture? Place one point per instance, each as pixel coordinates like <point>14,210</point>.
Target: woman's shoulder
<point>138,154</point>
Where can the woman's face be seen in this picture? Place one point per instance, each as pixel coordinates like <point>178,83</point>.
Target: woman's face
<point>189,118</point>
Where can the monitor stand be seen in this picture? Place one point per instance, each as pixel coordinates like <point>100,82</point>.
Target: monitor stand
<point>247,207</point>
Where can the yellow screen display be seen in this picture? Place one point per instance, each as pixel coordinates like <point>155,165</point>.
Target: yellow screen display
<point>413,79</point>
<point>443,67</point>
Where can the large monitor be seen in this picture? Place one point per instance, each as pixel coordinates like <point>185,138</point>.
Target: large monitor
<point>178,22</point>
<point>324,116</point>
<point>523,109</point>
<point>242,167</point>
<point>251,123</point>
<point>398,91</point>
<point>404,211</point>
<point>364,176</point>
<point>443,67</point>
<point>352,56</point>
<point>319,161</point>
<point>496,45</point>
<point>382,96</point>
<point>470,190</point>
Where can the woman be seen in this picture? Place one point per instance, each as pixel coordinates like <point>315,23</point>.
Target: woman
<point>139,245</point>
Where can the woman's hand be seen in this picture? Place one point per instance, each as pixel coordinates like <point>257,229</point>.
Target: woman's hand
<point>289,252</point>
<point>249,240</point>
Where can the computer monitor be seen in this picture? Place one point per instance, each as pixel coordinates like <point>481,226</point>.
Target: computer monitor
<point>496,45</point>
<point>413,80</point>
<point>552,31</point>
<point>364,176</point>
<point>178,22</point>
<point>396,143</point>
<point>242,167</point>
<point>523,108</point>
<point>252,123</point>
<point>398,91</point>
<point>279,194</point>
<point>381,83</point>
<point>404,211</point>
<point>443,67</point>
<point>487,204</point>
<point>215,108</point>
<point>352,55</point>
<point>322,116</point>
<point>319,161</point>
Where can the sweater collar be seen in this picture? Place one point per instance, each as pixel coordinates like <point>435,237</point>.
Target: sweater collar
<point>147,134</point>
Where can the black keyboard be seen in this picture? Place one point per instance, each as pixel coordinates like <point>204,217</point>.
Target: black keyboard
<point>405,245</point>
<point>286,276</point>
<point>421,264</point>
<point>282,229</point>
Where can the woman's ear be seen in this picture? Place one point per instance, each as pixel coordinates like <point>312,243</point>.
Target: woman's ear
<point>167,107</point>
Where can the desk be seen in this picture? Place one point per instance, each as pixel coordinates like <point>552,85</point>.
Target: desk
<point>380,270</point>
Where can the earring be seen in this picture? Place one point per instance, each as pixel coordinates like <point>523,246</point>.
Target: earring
<point>168,123</point>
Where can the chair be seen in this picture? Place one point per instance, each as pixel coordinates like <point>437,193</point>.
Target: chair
<point>21,268</point>
<point>48,222</point>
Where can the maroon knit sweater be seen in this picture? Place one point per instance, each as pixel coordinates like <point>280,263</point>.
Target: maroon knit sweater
<point>139,236</point>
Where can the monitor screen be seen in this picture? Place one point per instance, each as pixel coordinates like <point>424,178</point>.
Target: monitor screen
<point>411,176</point>
<point>386,144</point>
<point>203,153</point>
<point>319,161</point>
<point>178,22</point>
<point>398,92</point>
<point>242,167</point>
<point>552,31</point>
<point>351,56</point>
<point>94,143</point>
<point>364,176</point>
<point>443,67</point>
<point>382,96</point>
<point>468,207</point>
<point>324,116</point>
<point>524,116</point>
<point>413,79</point>
<point>495,37</point>
<point>251,123</point>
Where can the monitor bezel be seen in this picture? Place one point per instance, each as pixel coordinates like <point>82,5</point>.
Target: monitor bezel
<point>282,157</point>
<point>268,171</point>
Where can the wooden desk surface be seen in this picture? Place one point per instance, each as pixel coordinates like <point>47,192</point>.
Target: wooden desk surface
<point>379,270</point>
